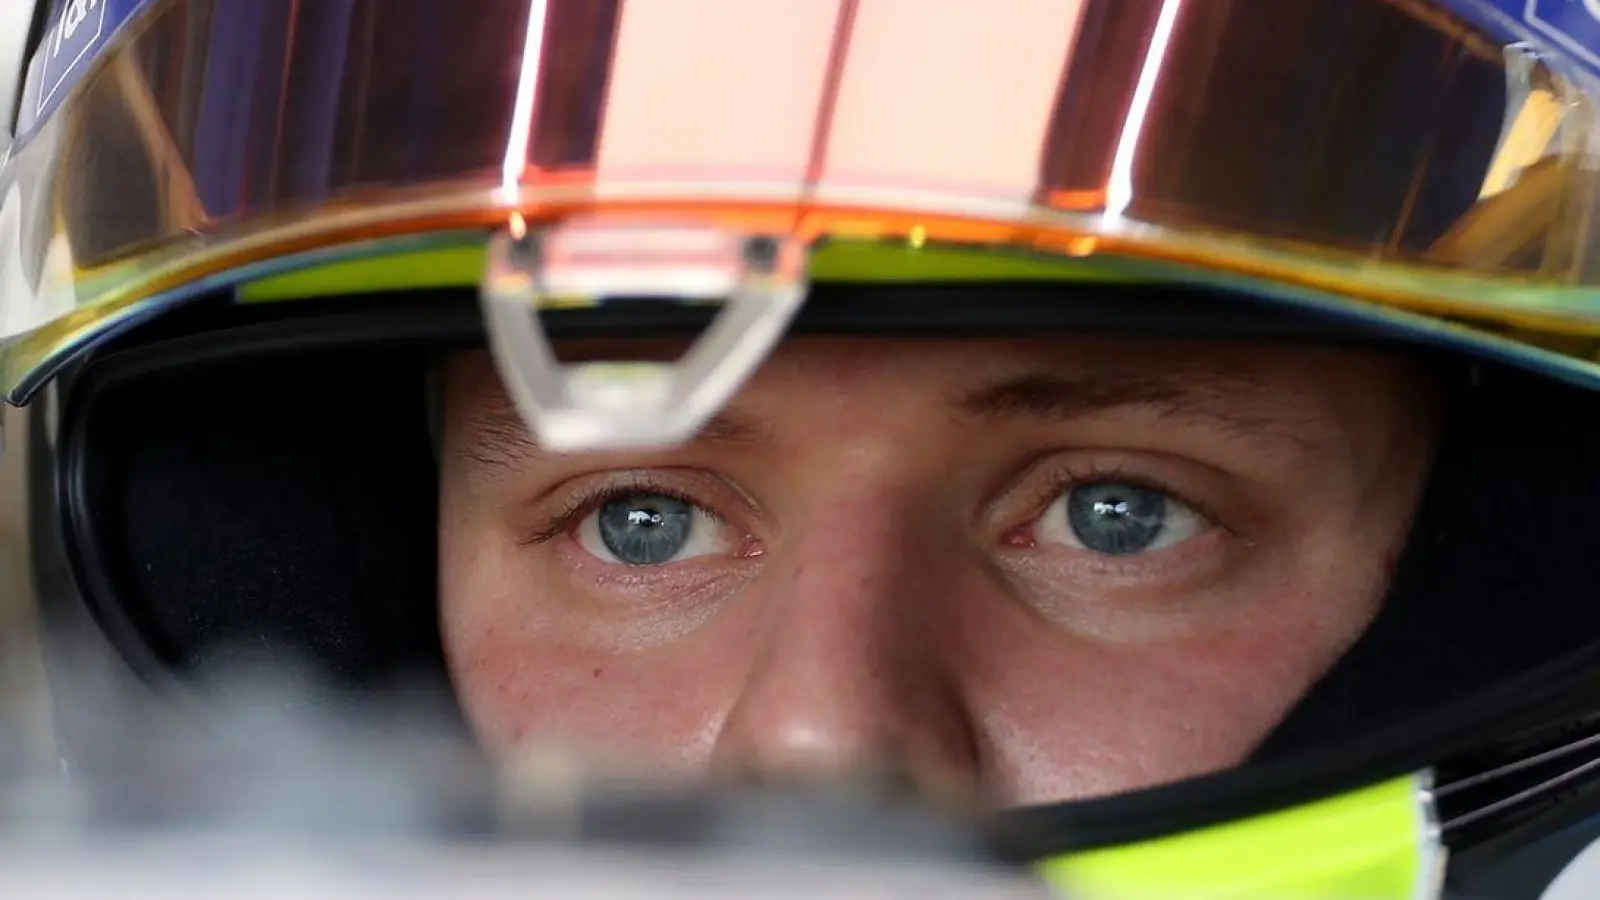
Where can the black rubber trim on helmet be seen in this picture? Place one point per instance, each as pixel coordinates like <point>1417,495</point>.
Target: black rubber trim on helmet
<point>890,309</point>
<point>1488,802</point>
<point>951,309</point>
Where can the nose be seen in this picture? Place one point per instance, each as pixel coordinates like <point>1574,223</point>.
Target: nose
<point>850,677</point>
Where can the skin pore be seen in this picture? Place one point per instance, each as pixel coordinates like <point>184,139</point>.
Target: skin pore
<point>1020,570</point>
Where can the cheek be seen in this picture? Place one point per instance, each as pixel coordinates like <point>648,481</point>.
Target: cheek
<point>1115,718</point>
<point>531,680</point>
<point>529,672</point>
<point>1065,716</point>
<point>523,692</point>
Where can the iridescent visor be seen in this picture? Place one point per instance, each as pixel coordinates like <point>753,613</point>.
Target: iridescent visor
<point>1376,148</point>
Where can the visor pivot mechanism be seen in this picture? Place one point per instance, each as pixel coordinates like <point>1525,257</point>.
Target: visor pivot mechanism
<point>757,280</point>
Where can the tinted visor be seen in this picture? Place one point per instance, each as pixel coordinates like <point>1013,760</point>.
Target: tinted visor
<point>1359,126</point>
<point>1376,148</point>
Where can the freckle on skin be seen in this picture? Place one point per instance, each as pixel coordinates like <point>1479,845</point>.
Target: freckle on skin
<point>597,671</point>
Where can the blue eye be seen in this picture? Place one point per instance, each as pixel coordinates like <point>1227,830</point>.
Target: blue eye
<point>1117,518</point>
<point>648,529</point>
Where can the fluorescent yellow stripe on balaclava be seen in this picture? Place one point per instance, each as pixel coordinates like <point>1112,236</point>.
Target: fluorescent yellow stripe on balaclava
<point>1373,844</point>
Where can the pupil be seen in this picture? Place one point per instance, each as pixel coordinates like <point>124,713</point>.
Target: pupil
<point>1116,518</point>
<point>645,529</point>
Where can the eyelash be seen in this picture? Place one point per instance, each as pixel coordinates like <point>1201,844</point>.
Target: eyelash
<point>592,498</point>
<point>1065,476</point>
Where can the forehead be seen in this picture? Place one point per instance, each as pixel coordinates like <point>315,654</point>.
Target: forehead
<point>1297,392</point>
<point>940,369</point>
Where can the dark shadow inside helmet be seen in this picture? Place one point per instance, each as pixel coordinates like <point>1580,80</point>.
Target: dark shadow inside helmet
<point>1501,570</point>
<point>284,515</point>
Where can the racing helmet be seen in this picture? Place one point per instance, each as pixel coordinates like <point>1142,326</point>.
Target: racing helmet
<point>235,235</point>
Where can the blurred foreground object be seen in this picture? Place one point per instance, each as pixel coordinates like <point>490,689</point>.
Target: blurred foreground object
<point>290,796</point>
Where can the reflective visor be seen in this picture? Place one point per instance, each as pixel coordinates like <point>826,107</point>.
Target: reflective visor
<point>1379,149</point>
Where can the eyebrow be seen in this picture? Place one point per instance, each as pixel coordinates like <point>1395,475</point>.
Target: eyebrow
<point>1235,404</point>
<point>500,434</point>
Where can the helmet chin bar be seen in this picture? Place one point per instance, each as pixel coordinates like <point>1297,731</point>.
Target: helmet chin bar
<point>758,280</point>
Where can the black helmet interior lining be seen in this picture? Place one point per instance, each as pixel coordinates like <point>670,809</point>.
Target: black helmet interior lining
<point>289,515</point>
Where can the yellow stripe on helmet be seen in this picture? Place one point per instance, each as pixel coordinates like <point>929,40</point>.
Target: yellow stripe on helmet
<point>837,261</point>
<point>1378,843</point>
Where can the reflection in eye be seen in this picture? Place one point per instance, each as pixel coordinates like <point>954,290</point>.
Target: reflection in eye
<point>647,529</point>
<point>1118,519</point>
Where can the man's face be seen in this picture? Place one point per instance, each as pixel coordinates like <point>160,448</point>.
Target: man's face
<point>1029,570</point>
